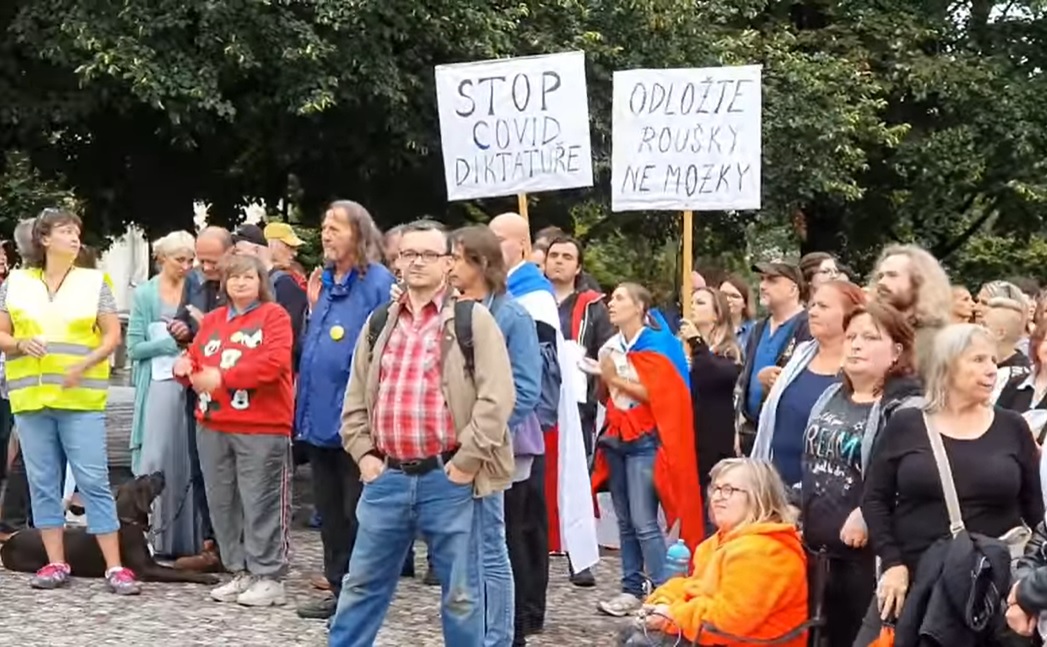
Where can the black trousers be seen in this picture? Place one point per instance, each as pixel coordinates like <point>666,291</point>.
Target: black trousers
<point>7,423</point>
<point>336,491</point>
<point>196,475</point>
<point>848,591</point>
<point>527,536</point>
<point>15,513</point>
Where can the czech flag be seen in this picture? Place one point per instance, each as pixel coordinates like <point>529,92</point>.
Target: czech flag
<point>661,366</point>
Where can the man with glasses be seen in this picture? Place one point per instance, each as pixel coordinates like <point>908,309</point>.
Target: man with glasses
<point>203,293</point>
<point>427,424</point>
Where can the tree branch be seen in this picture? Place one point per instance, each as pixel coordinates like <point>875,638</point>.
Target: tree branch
<point>943,251</point>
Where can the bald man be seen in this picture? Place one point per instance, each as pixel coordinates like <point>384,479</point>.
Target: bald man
<point>550,509</point>
<point>203,292</point>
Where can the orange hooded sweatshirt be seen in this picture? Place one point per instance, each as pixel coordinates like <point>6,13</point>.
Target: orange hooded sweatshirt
<point>750,583</point>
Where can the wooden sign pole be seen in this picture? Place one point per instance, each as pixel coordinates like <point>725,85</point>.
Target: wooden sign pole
<point>521,207</point>
<point>688,255</point>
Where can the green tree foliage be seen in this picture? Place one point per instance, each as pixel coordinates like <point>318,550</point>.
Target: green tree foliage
<point>24,192</point>
<point>887,120</point>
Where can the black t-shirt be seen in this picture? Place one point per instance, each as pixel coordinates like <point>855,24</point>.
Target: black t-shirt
<point>996,475</point>
<point>832,471</point>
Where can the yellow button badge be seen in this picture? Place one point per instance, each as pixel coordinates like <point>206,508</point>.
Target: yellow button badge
<point>337,332</point>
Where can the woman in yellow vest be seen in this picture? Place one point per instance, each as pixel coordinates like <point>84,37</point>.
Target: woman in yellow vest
<point>58,326</point>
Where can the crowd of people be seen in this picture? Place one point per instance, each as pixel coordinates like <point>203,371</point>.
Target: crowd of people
<point>855,463</point>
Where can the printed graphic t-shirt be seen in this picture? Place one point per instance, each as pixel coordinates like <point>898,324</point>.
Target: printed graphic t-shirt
<point>832,471</point>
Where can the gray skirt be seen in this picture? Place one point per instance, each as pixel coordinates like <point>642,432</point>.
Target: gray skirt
<point>165,448</point>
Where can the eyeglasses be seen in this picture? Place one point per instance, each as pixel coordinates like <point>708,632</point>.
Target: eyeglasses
<point>724,491</point>
<point>426,257</point>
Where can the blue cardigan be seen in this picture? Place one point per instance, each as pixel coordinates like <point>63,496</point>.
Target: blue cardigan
<point>327,350</point>
<point>145,309</point>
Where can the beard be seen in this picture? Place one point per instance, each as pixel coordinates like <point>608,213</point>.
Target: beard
<point>900,302</point>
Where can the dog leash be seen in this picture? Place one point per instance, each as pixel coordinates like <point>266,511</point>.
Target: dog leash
<point>178,512</point>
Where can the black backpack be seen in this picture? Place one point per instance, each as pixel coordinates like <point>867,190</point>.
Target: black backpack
<point>463,331</point>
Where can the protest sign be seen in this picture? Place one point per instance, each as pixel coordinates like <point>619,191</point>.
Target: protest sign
<point>514,126</point>
<point>686,139</point>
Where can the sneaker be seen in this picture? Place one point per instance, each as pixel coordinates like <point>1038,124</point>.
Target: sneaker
<point>51,576</point>
<point>319,609</point>
<point>263,592</point>
<point>624,604</point>
<point>231,590</point>
<point>122,581</point>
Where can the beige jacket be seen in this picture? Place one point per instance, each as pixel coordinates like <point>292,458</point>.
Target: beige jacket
<point>480,407</point>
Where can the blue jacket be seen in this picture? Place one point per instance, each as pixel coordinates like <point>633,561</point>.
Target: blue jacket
<point>521,340</point>
<point>327,350</point>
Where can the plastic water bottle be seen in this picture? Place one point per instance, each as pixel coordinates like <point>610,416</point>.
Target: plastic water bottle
<point>677,560</point>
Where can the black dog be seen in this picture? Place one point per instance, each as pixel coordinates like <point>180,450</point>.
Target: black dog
<point>24,551</point>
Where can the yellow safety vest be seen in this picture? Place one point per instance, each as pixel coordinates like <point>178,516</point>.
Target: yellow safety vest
<point>69,324</point>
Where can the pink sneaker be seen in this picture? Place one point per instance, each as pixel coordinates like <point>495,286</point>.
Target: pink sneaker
<point>122,581</point>
<point>51,576</point>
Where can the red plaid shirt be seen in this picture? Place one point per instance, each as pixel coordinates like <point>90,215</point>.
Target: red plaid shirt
<point>411,418</point>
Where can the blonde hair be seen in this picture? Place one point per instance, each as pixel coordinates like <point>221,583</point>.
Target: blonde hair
<point>949,344</point>
<point>173,242</point>
<point>933,299</point>
<point>767,498</point>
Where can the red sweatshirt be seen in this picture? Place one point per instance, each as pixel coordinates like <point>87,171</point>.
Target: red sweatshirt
<point>253,352</point>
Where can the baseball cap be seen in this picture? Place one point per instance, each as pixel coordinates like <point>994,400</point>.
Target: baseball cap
<point>282,232</point>
<point>249,234</point>
<point>782,269</point>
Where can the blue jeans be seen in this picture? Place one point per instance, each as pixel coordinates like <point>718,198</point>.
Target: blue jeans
<point>636,506</point>
<point>497,575</point>
<point>393,509</point>
<point>51,437</point>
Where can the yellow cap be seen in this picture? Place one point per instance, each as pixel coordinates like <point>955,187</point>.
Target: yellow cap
<point>282,232</point>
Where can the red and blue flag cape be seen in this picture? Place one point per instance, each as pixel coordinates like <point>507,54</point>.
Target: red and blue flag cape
<point>661,366</point>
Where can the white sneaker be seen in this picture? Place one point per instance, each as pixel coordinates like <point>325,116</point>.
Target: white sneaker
<point>624,604</point>
<point>263,592</point>
<point>231,590</point>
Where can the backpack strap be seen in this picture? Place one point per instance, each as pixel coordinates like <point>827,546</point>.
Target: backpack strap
<point>463,332</point>
<point>375,325</point>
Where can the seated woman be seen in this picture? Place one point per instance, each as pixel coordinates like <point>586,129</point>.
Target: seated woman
<point>748,581</point>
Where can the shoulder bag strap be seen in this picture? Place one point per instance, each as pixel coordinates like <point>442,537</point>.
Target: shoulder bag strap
<point>952,502</point>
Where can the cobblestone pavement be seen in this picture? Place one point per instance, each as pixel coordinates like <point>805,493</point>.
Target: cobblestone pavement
<point>183,615</point>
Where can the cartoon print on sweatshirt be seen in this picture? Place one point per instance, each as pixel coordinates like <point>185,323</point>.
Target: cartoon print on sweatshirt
<point>206,404</point>
<point>250,337</point>
<point>240,399</point>
<point>230,356</point>
<point>213,344</point>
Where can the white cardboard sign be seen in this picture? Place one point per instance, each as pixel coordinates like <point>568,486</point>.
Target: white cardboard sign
<point>686,139</point>
<point>517,125</point>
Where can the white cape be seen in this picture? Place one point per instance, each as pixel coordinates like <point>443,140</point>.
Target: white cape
<point>574,498</point>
